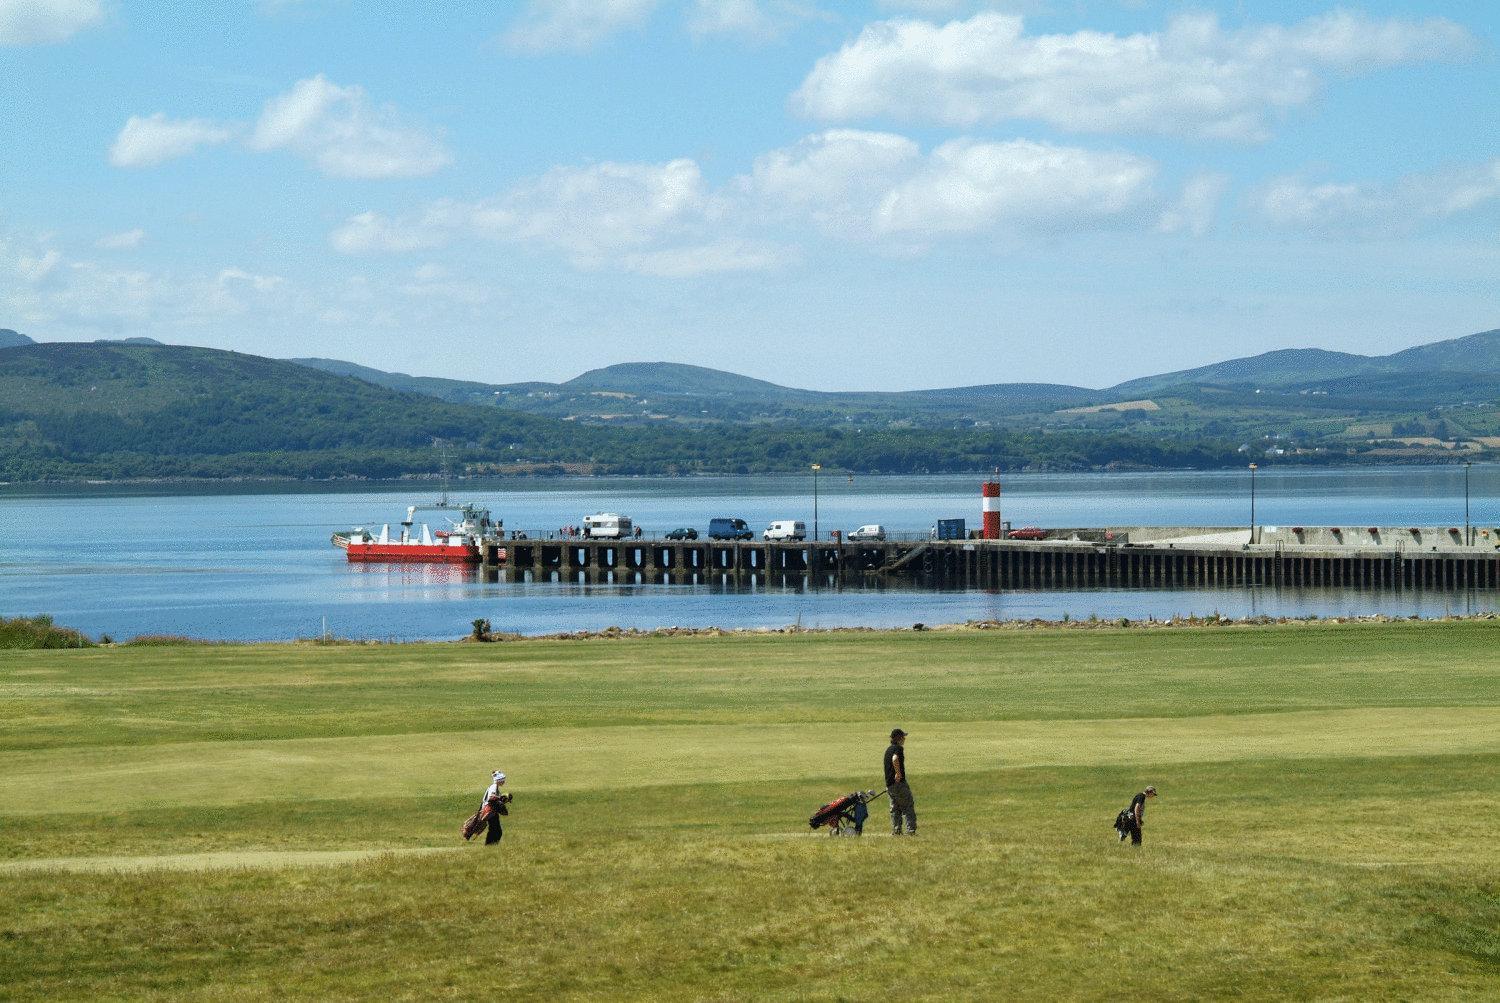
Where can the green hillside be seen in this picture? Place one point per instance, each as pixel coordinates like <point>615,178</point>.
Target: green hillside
<point>650,393</point>
<point>453,391</point>
<point>111,409</point>
<point>1419,376</point>
<point>674,378</point>
<point>1445,373</point>
<point>71,411</point>
<point>1270,369</point>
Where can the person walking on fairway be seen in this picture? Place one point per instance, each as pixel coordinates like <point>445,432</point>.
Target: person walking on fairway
<point>495,801</point>
<point>1130,820</point>
<point>895,782</point>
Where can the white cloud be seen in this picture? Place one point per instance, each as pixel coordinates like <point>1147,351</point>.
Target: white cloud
<point>147,142</point>
<point>1195,78</point>
<point>123,241</point>
<point>260,283</point>
<point>967,186</point>
<point>928,7</point>
<point>757,20</point>
<point>591,213</point>
<point>573,25</point>
<point>1194,210</point>
<point>1372,209</point>
<point>871,187</point>
<point>345,135</point>
<point>658,219</point>
<point>370,232</point>
<point>36,268</point>
<point>833,179</point>
<point>38,22</point>
<point>708,258</point>
<point>881,187</point>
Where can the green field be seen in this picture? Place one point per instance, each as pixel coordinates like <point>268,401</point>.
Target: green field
<point>269,821</point>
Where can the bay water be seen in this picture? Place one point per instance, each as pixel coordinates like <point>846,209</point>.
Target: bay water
<point>253,561</point>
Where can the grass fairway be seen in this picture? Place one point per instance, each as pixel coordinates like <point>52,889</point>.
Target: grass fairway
<point>238,822</point>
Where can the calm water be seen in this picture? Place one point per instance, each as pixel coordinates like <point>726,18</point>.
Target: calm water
<point>252,562</point>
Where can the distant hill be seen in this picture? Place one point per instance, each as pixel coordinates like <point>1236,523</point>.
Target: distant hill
<point>133,410</point>
<point>1477,353</point>
<point>13,339</point>
<point>112,410</point>
<point>1271,369</point>
<point>674,378</point>
<point>454,391</point>
<point>654,392</point>
<point>1445,372</point>
<point>1476,357</point>
<point>126,341</point>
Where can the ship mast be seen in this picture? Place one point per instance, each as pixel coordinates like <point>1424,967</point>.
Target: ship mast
<point>447,472</point>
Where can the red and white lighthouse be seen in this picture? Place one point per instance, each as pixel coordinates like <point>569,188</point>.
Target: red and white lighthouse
<point>990,492</point>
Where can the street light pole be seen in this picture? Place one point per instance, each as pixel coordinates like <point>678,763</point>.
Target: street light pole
<point>815,468</point>
<point>1253,468</point>
<point>1468,532</point>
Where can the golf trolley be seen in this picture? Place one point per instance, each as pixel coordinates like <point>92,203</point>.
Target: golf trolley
<point>845,816</point>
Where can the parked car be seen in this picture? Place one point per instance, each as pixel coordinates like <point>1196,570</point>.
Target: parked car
<point>730,529</point>
<point>786,529</point>
<point>1028,533</point>
<point>873,532</point>
<point>607,526</point>
<point>683,533</point>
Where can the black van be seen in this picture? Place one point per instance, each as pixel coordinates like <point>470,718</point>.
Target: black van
<point>729,529</point>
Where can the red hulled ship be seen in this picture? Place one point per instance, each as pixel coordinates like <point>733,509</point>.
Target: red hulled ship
<point>462,544</point>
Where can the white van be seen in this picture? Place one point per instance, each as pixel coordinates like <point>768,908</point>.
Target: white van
<point>786,529</point>
<point>873,532</point>
<point>607,526</point>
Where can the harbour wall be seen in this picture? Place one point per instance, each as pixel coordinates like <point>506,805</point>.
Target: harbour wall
<point>1118,557</point>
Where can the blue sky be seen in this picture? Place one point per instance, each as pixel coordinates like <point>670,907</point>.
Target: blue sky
<point>855,195</point>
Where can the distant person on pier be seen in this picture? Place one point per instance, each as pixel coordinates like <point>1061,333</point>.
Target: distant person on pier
<point>896,785</point>
<point>1129,821</point>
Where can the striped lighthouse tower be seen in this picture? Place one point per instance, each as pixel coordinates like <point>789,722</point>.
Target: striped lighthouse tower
<point>990,491</point>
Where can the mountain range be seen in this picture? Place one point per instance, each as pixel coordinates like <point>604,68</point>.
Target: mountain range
<point>1441,373</point>
<point>133,408</point>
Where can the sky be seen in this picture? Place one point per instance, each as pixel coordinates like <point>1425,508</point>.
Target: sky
<point>868,194</point>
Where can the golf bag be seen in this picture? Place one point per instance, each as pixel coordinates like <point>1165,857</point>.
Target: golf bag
<point>474,823</point>
<point>851,809</point>
<point>481,818</point>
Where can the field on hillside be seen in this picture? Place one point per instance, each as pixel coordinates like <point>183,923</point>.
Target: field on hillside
<point>270,821</point>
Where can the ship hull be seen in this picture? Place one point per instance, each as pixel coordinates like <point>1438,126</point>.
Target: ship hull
<point>411,553</point>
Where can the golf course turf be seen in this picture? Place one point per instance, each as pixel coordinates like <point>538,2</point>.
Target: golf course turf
<point>210,822</point>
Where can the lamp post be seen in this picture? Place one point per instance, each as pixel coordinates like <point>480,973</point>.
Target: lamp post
<point>1468,532</point>
<point>1253,468</point>
<point>815,468</point>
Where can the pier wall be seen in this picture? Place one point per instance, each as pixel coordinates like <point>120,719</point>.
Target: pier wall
<point>1126,557</point>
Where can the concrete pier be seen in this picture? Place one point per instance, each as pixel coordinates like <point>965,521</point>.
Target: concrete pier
<point>1436,558</point>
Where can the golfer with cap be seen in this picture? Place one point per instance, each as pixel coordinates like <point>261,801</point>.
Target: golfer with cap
<point>895,782</point>
<point>495,801</point>
<point>1132,818</point>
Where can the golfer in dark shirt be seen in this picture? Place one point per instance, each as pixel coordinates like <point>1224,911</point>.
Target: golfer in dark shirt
<point>1135,816</point>
<point>895,782</point>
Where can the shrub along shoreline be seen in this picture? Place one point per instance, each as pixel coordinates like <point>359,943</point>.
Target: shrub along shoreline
<point>39,632</point>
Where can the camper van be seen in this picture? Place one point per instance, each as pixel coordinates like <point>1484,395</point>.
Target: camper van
<point>786,529</point>
<point>607,526</point>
